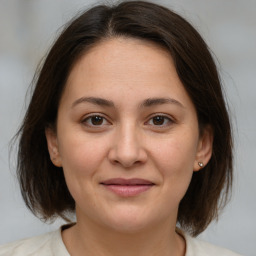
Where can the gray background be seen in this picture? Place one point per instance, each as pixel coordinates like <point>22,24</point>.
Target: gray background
<point>28,27</point>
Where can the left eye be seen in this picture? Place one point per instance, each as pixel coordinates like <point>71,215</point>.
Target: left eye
<point>95,120</point>
<point>160,120</point>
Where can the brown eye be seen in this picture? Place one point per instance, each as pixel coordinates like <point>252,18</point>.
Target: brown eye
<point>161,121</point>
<point>95,120</point>
<point>158,120</point>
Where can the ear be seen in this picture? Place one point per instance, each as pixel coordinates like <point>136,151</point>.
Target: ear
<point>204,148</point>
<point>53,148</point>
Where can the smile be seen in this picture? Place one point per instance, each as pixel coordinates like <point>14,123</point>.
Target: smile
<point>127,187</point>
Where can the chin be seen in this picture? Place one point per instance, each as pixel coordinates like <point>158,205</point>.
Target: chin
<point>128,227</point>
<point>130,221</point>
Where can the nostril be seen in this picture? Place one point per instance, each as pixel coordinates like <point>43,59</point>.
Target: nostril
<point>127,156</point>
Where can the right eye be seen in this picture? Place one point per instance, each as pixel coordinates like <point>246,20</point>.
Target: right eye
<point>95,121</point>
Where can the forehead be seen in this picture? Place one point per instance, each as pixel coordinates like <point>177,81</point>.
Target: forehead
<point>125,67</point>
<point>120,56</point>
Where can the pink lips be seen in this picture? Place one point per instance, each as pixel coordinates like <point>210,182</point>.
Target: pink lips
<point>127,187</point>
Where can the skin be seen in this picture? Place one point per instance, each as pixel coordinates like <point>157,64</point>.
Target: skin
<point>126,143</point>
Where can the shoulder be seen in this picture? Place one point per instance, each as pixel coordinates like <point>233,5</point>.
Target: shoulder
<point>47,244</point>
<point>197,247</point>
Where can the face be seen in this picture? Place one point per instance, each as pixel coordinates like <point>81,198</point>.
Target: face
<point>127,136</point>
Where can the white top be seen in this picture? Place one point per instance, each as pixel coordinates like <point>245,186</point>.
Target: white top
<point>51,244</point>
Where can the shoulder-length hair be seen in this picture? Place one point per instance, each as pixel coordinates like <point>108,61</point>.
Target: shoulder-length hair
<point>43,186</point>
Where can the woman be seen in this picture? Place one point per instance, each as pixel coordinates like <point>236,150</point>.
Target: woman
<point>127,128</point>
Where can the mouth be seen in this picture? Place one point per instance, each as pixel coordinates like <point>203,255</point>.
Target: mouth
<point>127,187</point>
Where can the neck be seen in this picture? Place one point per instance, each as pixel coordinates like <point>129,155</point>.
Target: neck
<point>91,239</point>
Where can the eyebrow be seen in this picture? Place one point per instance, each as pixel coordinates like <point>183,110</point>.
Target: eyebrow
<point>95,101</point>
<point>146,103</point>
<point>160,101</point>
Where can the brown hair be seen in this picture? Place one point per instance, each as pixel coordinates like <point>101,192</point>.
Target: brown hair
<point>43,185</point>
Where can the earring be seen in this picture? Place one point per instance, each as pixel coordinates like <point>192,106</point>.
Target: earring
<point>201,164</point>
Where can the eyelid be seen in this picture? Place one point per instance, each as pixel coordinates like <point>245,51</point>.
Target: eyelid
<point>170,119</point>
<point>87,117</point>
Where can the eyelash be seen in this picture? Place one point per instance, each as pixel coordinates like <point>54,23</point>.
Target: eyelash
<point>166,119</point>
<point>89,117</point>
<point>169,120</point>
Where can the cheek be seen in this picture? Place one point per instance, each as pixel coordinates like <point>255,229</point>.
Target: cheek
<point>84,158</point>
<point>80,166</point>
<point>174,159</point>
<point>176,153</point>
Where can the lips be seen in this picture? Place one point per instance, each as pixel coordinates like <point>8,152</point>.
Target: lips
<point>128,182</point>
<point>127,187</point>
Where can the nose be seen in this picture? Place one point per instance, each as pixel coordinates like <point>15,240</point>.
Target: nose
<point>127,149</point>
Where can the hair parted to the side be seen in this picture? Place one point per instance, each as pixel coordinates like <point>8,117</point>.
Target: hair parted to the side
<point>43,186</point>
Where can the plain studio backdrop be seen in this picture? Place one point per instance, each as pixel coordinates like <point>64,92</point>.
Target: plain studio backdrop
<point>28,28</point>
